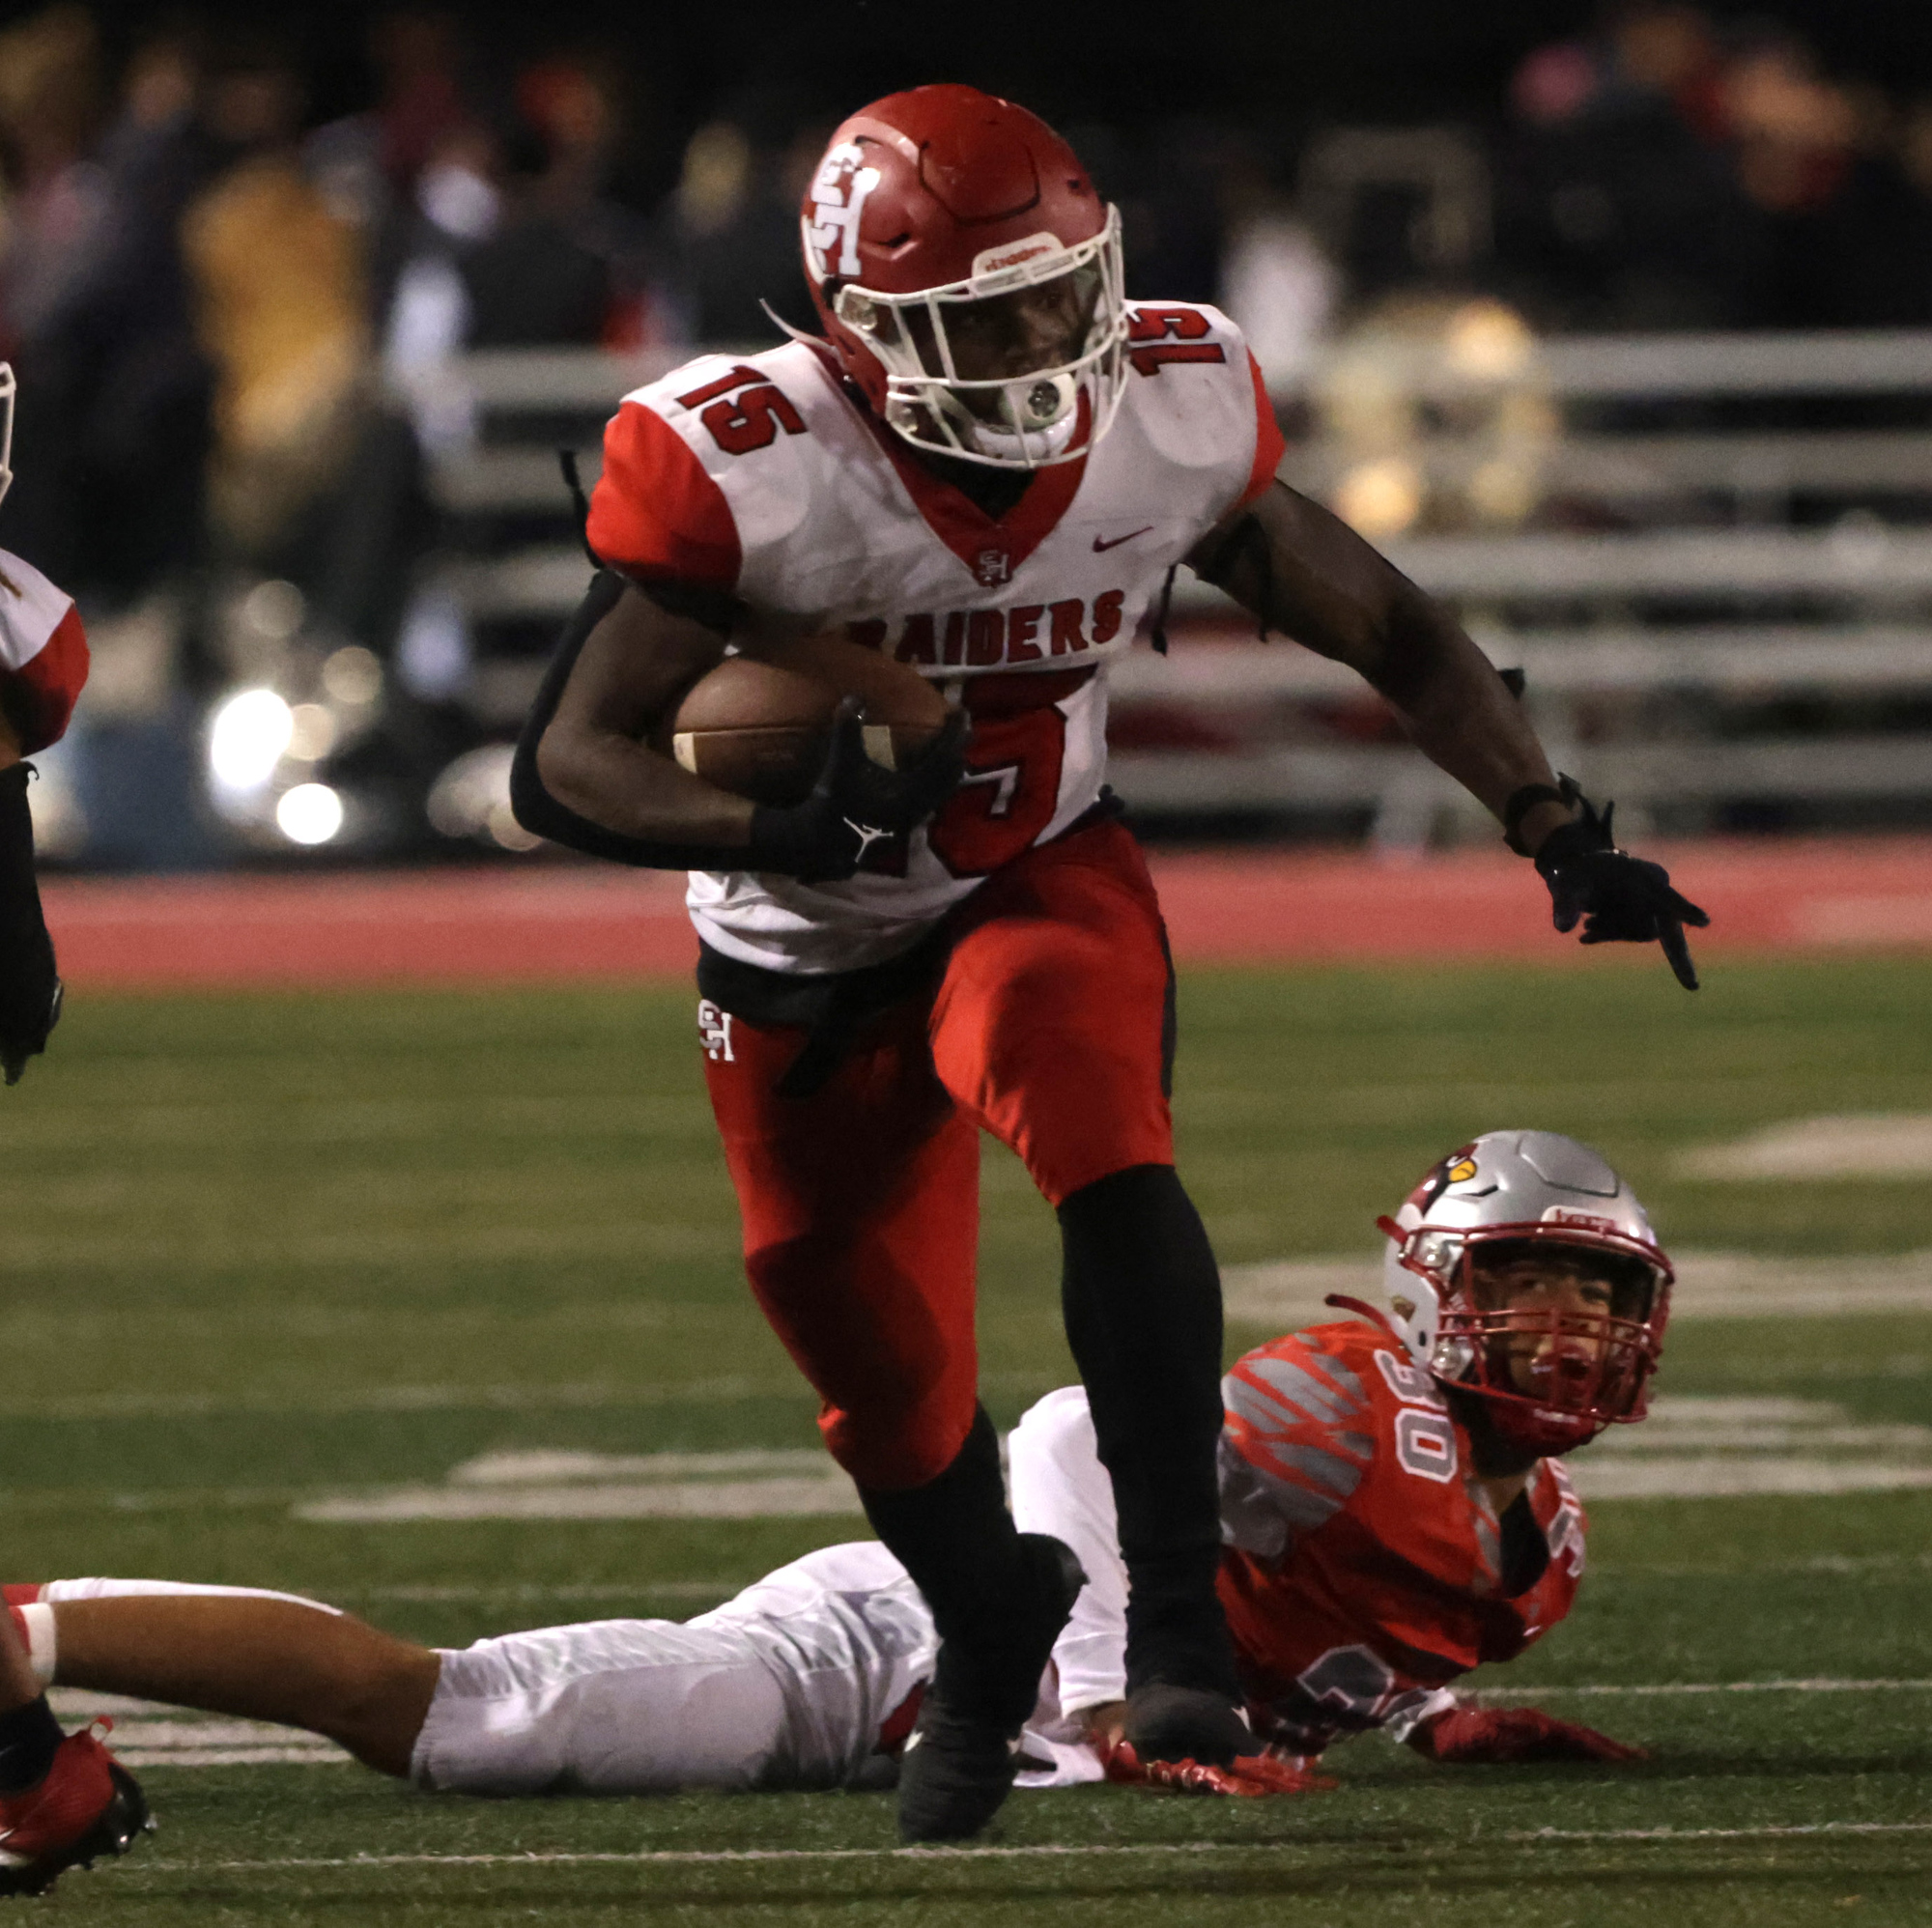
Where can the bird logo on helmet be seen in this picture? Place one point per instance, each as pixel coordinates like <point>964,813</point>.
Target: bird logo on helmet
<point>969,277</point>
<point>1550,1377</point>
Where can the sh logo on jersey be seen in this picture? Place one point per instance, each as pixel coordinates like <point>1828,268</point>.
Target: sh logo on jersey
<point>839,198</point>
<point>714,1032</point>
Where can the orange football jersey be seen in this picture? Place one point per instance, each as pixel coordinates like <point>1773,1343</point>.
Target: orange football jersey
<point>1363,1567</point>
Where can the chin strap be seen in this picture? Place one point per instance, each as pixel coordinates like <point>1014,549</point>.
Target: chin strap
<point>785,327</point>
<point>1342,1302</point>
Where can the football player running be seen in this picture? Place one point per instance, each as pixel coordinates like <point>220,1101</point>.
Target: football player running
<point>63,1799</point>
<point>1393,1513</point>
<point>987,469</point>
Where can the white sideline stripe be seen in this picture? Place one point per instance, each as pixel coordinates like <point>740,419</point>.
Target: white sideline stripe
<point>702,1856</point>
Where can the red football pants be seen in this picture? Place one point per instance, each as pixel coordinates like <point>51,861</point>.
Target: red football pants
<point>1050,1027</point>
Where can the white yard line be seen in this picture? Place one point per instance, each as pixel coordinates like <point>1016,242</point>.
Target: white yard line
<point>825,1495</point>
<point>1664,1690</point>
<point>1871,1145</point>
<point>148,1735</point>
<point>1716,1476</point>
<point>712,1856</point>
<point>233,1757</point>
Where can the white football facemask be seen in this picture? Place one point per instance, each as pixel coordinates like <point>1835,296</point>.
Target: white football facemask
<point>1048,415</point>
<point>7,387</point>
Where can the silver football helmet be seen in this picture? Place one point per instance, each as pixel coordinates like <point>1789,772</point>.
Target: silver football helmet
<point>7,386</point>
<point>1525,1189</point>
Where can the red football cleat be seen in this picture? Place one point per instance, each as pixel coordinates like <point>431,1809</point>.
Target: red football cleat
<point>85,1805</point>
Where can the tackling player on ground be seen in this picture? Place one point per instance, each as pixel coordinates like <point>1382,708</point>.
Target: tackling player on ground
<point>987,470</point>
<point>62,1799</point>
<point>1392,1510</point>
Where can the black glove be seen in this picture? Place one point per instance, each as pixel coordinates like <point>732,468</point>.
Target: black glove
<point>1621,898</point>
<point>30,991</point>
<point>854,803</point>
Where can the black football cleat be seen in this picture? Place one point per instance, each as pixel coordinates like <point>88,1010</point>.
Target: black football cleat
<point>1165,1722</point>
<point>87,1805</point>
<point>962,1754</point>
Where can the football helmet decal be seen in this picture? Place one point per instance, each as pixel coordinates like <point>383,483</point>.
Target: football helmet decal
<point>1552,1374</point>
<point>6,428</point>
<point>969,277</point>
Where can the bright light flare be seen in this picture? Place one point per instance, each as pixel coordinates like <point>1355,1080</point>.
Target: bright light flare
<point>247,738</point>
<point>310,813</point>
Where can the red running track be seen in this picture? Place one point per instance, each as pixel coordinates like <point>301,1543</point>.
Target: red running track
<point>557,922</point>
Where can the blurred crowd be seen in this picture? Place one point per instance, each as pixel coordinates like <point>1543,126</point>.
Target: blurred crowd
<point>228,305</point>
<point>1670,174</point>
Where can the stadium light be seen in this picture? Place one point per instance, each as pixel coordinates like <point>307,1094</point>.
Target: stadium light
<point>310,813</point>
<point>247,738</point>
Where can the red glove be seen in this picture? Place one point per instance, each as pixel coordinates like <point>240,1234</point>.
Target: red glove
<point>1486,1733</point>
<point>1251,1775</point>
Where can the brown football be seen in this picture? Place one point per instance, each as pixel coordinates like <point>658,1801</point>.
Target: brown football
<point>758,726</point>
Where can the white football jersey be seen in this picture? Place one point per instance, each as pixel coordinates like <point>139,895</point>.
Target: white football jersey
<point>768,480</point>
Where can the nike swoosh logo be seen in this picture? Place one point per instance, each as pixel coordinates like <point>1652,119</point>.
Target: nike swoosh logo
<point>1100,548</point>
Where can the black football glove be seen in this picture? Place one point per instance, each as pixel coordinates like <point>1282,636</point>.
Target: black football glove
<point>854,803</point>
<point>30,991</point>
<point>1621,898</point>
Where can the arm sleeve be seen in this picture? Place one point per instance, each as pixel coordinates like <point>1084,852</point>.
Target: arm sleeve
<point>1299,1436</point>
<point>43,655</point>
<point>541,814</point>
<point>656,515</point>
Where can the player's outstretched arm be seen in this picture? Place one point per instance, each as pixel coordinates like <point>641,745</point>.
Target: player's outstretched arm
<point>1305,572</point>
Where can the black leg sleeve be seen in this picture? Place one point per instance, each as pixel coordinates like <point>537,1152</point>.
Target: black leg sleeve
<point>1142,1297</point>
<point>956,1537</point>
<point>29,988</point>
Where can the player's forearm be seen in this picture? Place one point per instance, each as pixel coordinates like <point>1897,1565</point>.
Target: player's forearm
<point>626,788</point>
<point>1459,712</point>
<point>584,774</point>
<point>1306,573</point>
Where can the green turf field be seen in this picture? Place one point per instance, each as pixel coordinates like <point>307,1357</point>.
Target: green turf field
<point>263,1251</point>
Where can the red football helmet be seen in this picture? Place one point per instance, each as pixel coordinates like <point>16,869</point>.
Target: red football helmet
<point>969,277</point>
